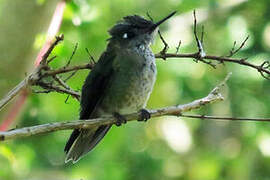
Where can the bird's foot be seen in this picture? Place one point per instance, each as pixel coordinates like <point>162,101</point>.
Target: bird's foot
<point>119,119</point>
<point>145,115</point>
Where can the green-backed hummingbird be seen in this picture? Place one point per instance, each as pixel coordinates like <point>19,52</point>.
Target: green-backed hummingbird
<point>120,82</point>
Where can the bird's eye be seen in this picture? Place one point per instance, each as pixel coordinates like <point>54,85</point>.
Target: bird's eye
<point>125,36</point>
<point>128,35</point>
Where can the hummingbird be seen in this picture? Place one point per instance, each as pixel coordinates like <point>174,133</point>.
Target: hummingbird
<point>120,82</point>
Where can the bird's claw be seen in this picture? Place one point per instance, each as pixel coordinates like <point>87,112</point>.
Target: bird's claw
<point>145,115</point>
<point>119,119</point>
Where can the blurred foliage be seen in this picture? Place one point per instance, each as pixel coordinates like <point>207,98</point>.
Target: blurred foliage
<point>163,148</point>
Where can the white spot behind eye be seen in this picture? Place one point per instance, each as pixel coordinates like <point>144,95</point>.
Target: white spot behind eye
<point>125,36</point>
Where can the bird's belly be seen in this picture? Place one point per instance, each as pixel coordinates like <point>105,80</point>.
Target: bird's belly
<point>130,91</point>
<point>137,94</point>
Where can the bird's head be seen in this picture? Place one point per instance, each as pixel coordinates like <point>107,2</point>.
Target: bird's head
<point>135,30</point>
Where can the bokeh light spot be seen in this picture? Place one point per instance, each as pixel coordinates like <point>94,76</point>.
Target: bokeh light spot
<point>176,133</point>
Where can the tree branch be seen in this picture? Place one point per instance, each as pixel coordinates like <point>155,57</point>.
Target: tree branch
<point>212,97</point>
<point>33,77</point>
<point>200,55</point>
<point>11,94</point>
<point>260,68</point>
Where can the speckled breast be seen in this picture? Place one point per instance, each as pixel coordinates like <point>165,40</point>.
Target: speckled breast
<point>140,88</point>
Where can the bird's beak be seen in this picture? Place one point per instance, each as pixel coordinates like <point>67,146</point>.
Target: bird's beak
<point>154,26</point>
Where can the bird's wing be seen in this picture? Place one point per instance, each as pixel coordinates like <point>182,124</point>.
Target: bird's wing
<point>95,84</point>
<point>92,93</point>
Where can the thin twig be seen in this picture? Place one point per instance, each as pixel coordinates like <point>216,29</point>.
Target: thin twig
<point>201,52</point>
<point>49,51</point>
<point>92,59</point>
<point>41,91</point>
<point>225,118</point>
<point>202,35</point>
<point>166,46</point>
<point>59,89</point>
<point>71,75</point>
<point>68,69</point>
<point>233,51</point>
<point>178,47</point>
<point>265,65</point>
<point>51,59</point>
<point>61,82</point>
<point>68,63</point>
<point>72,54</point>
<point>66,101</point>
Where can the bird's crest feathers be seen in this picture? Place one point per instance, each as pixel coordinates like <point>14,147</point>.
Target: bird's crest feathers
<point>128,23</point>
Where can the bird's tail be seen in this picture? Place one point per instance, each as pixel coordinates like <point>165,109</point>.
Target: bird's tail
<point>82,141</point>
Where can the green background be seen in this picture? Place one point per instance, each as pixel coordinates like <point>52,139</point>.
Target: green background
<point>162,148</point>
